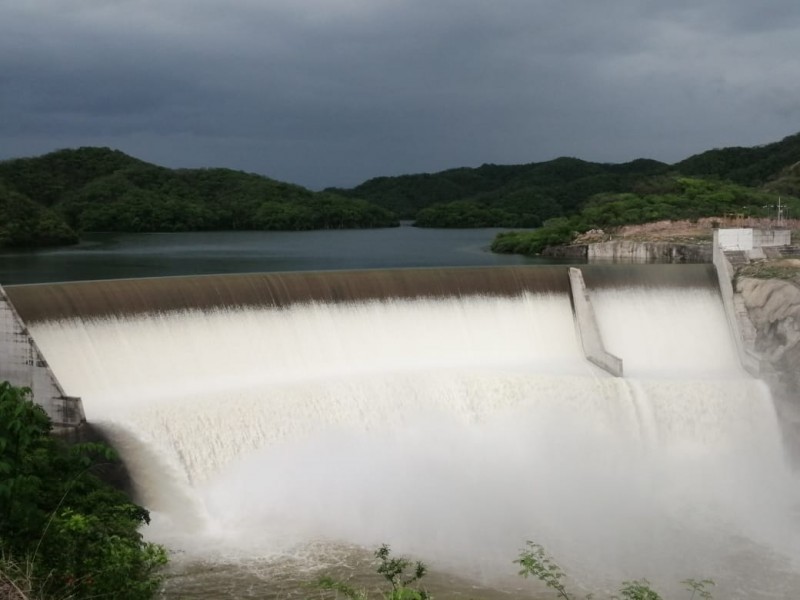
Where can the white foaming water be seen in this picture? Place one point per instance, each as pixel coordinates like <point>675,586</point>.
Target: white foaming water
<point>452,429</point>
<point>664,335</point>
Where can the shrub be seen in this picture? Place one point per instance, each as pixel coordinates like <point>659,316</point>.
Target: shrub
<point>77,536</point>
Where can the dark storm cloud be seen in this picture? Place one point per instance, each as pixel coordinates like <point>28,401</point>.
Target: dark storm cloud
<point>330,92</point>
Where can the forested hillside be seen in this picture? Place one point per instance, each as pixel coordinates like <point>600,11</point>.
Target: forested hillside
<point>51,199</point>
<point>727,181</point>
<point>497,195</point>
<point>528,195</point>
<point>666,198</point>
<point>753,167</point>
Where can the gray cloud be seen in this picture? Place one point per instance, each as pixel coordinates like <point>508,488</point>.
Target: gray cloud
<point>331,92</point>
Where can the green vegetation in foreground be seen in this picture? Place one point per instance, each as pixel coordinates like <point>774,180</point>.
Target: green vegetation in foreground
<point>662,198</point>
<point>534,562</point>
<point>402,585</point>
<point>51,199</point>
<point>63,532</point>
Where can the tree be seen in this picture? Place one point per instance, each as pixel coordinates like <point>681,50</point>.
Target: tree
<point>75,535</point>
<point>23,222</point>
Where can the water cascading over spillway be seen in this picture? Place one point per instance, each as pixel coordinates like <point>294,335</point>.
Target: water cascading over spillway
<point>452,426</point>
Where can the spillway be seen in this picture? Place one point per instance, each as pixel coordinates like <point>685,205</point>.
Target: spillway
<point>269,420</point>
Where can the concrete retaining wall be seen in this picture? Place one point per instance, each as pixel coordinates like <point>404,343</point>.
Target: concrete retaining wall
<point>771,237</point>
<point>591,340</point>
<point>734,239</point>
<point>751,241</point>
<point>22,364</point>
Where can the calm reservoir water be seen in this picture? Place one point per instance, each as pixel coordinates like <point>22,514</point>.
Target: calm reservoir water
<point>111,256</point>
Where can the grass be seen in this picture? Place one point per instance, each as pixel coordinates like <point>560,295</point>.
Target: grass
<point>785,269</point>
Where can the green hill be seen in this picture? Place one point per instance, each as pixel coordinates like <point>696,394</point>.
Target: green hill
<point>499,195</point>
<point>713,183</point>
<point>52,198</point>
<point>24,222</point>
<point>45,179</point>
<point>670,197</point>
<point>530,194</point>
<point>754,167</point>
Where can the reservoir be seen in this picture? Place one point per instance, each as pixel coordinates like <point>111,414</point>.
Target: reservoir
<point>113,256</point>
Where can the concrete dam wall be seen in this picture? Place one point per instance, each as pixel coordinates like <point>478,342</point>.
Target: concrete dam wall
<point>31,304</point>
<point>459,402</point>
<point>94,299</point>
<point>22,364</point>
<point>166,294</point>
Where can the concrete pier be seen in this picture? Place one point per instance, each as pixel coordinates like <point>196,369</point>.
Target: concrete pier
<point>591,340</point>
<point>22,365</point>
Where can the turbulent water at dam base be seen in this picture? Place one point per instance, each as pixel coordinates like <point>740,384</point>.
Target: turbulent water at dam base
<point>277,441</point>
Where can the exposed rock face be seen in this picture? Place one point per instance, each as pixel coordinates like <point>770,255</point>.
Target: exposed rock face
<point>575,251</point>
<point>773,306</point>
<point>629,251</point>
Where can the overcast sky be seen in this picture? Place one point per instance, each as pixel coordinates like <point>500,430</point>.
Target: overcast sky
<point>333,92</point>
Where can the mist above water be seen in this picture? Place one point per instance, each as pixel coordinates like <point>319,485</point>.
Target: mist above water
<point>453,429</point>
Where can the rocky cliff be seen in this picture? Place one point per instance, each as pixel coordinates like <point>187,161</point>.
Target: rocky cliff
<point>773,306</point>
<point>629,251</point>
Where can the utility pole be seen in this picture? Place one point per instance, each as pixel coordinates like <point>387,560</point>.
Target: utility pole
<point>780,207</point>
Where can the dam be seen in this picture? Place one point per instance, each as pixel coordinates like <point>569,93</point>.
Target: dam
<point>276,424</point>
